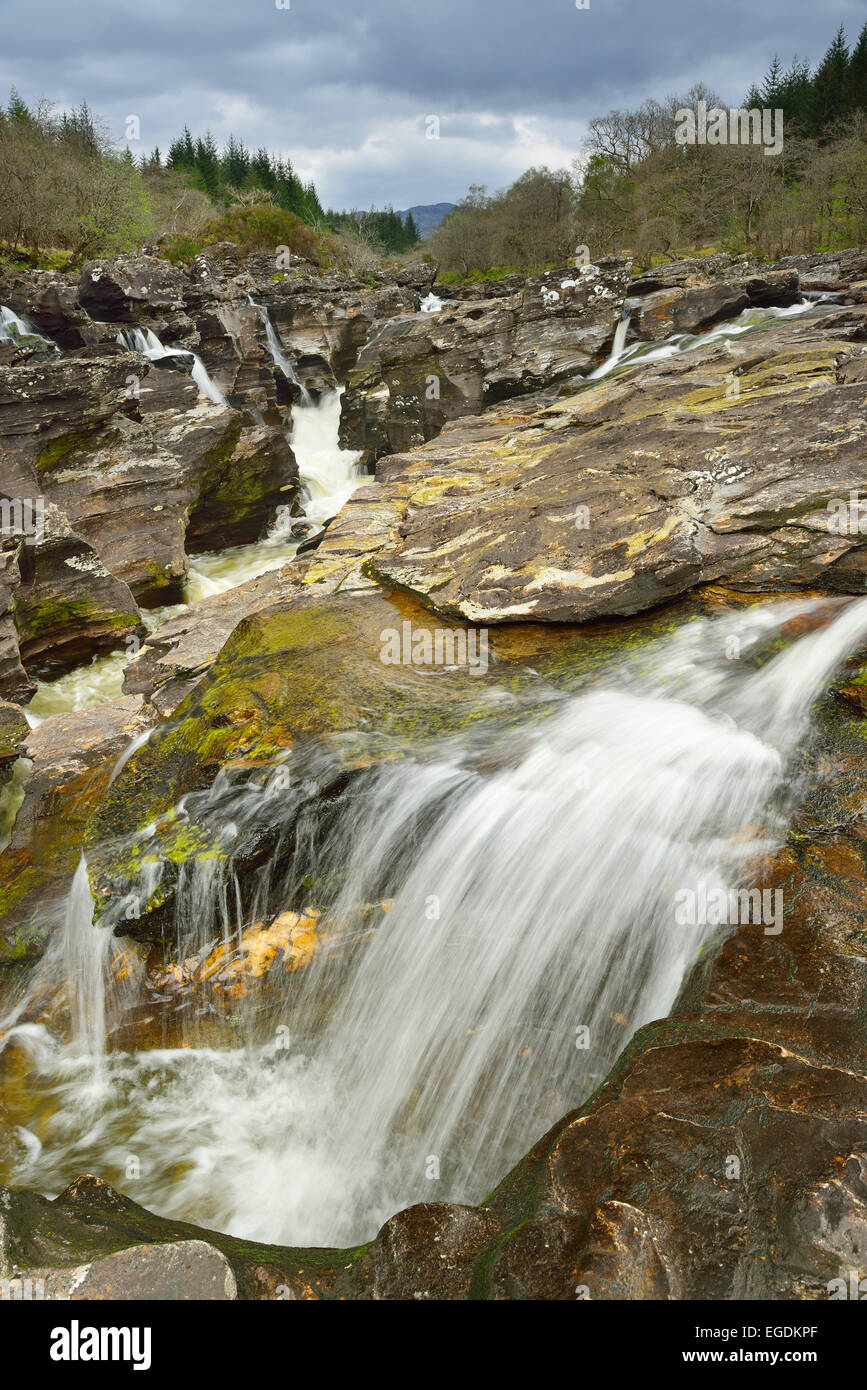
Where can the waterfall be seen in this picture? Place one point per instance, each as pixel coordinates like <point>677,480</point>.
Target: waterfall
<point>278,353</point>
<point>85,948</point>
<point>748,321</point>
<point>328,475</point>
<point>534,877</point>
<point>617,347</point>
<point>14,327</point>
<point>431,304</point>
<point>146,342</point>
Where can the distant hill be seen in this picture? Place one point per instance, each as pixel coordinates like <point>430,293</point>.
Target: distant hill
<point>428,216</point>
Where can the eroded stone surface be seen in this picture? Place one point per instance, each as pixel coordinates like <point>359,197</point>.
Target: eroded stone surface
<point>718,464</point>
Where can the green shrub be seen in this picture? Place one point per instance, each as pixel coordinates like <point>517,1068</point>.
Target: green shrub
<point>254,228</point>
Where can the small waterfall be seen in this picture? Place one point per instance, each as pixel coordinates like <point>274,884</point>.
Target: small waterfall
<point>329,476</point>
<point>146,342</point>
<point>533,876</point>
<point>749,321</point>
<point>15,327</point>
<point>278,354</point>
<point>86,949</point>
<point>329,473</point>
<point>431,304</point>
<point>617,347</point>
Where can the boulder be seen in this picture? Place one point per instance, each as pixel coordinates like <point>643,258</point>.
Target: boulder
<point>180,651</point>
<point>176,1271</point>
<point>686,310</point>
<point>130,289</point>
<point>67,604</point>
<point>723,463</point>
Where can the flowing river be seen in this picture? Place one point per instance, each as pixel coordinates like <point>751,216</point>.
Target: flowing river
<point>540,893</point>
<point>428,1060</point>
<point>329,475</point>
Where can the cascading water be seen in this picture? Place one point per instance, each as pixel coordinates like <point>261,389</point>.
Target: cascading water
<point>329,475</point>
<point>749,321</point>
<point>16,329</point>
<point>85,952</point>
<point>533,875</point>
<point>146,342</point>
<point>279,356</point>
<point>617,347</point>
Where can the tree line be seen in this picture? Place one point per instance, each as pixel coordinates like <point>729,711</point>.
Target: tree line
<point>383,230</point>
<point>64,185</point>
<point>638,191</point>
<point>227,175</point>
<point>67,192</point>
<point>814,103</point>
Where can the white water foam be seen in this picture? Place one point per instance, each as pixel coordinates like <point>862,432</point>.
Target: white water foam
<point>532,901</point>
<point>146,342</point>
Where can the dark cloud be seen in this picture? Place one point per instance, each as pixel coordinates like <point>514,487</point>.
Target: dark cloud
<point>345,87</point>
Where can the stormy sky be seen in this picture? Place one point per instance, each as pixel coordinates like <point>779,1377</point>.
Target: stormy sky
<point>345,87</point>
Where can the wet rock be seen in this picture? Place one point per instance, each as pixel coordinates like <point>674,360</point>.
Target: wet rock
<point>117,1249</point>
<point>49,299</point>
<point>67,605</point>
<point>180,651</point>
<point>723,1157</point>
<point>13,732</point>
<point>310,667</point>
<point>720,463</point>
<point>177,1271</point>
<point>73,756</point>
<point>134,458</point>
<point>15,684</point>
<point>425,1253</point>
<point>681,309</point>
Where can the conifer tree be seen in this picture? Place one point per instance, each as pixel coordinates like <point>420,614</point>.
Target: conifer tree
<point>829,85</point>
<point>855,91</point>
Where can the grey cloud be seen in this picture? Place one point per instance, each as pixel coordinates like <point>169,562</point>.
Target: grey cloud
<point>344,86</point>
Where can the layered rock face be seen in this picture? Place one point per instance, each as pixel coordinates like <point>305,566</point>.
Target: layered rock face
<point>130,469</point>
<point>138,469</point>
<point>416,373</point>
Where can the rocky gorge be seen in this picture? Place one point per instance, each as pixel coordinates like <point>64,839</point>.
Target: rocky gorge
<point>228,816</point>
